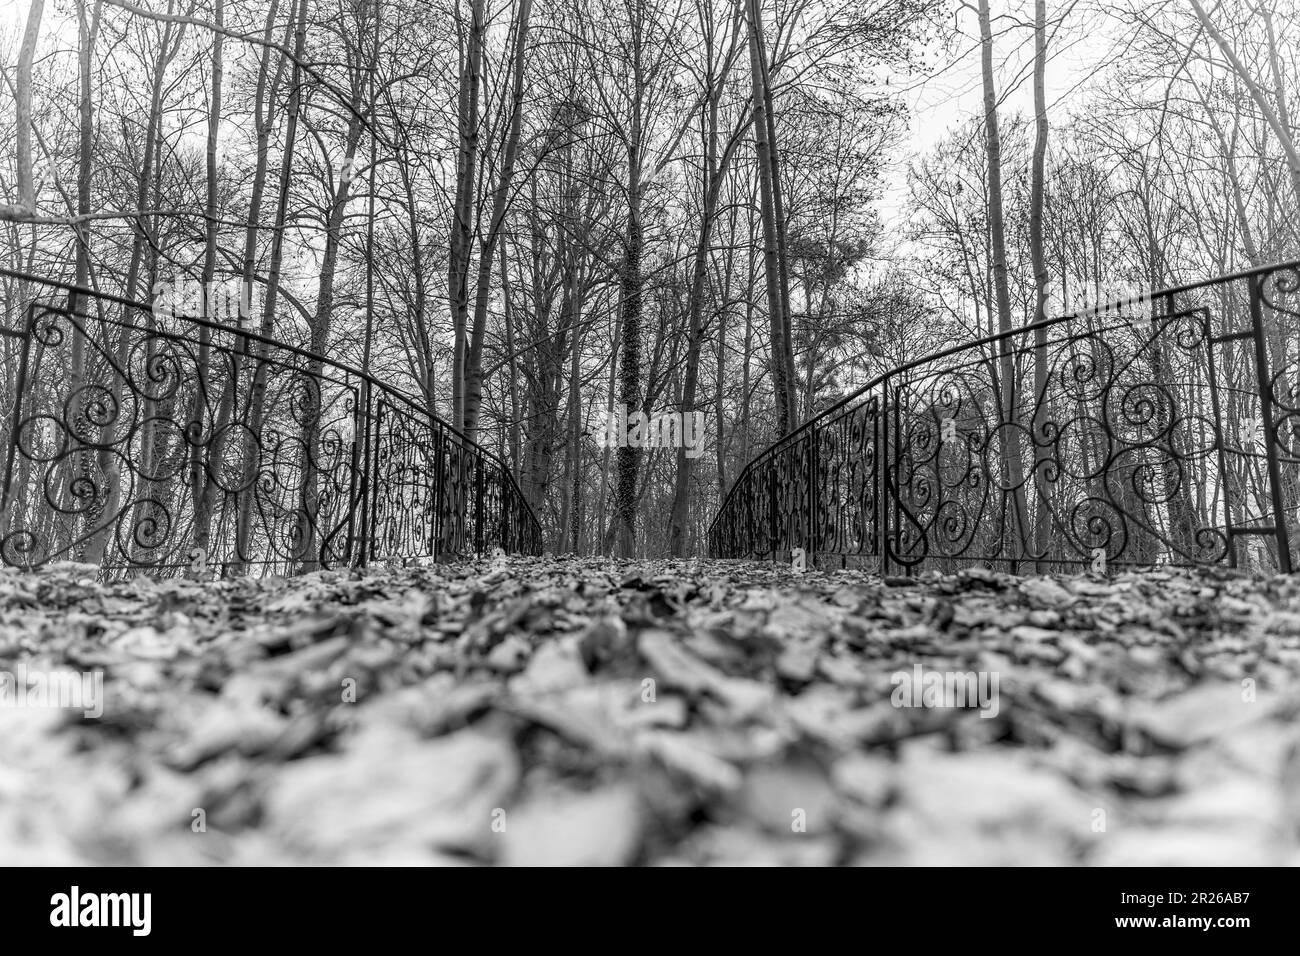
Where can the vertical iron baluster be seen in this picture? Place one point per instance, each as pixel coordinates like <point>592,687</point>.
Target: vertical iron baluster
<point>1264,382</point>
<point>811,532</point>
<point>478,502</point>
<point>770,477</point>
<point>20,390</point>
<point>881,478</point>
<point>439,453</point>
<point>362,427</point>
<point>507,505</point>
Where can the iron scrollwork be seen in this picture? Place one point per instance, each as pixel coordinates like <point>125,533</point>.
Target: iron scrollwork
<point>1159,431</point>
<point>167,446</point>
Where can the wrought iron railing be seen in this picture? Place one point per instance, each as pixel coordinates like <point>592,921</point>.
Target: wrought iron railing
<point>157,444</point>
<point>1161,430</point>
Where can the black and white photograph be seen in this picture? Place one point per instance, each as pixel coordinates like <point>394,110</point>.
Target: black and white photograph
<point>651,433</point>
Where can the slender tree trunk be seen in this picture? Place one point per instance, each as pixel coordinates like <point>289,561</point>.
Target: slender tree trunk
<point>424,354</point>
<point>541,406</point>
<point>567,322</point>
<point>781,382</point>
<point>262,128</point>
<point>87,30</point>
<point>462,227</point>
<point>143,465</point>
<point>629,458</point>
<point>512,362</point>
<point>719,407</point>
<point>155,448</point>
<point>220,448</point>
<point>778,212</point>
<point>711,189</point>
<point>23,103</point>
<point>571,524</point>
<point>630,393</point>
<point>1013,469</point>
<point>371,71</point>
<point>257,394</point>
<point>312,540</point>
<point>202,488</point>
<point>500,200</point>
<point>604,530</point>
<point>1042,411</point>
<point>747,353</point>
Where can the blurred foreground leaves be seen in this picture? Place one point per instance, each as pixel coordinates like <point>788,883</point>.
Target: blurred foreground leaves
<point>592,712</point>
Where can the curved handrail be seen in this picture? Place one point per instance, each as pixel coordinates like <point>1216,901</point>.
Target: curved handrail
<point>999,337</point>
<point>260,339</point>
<point>323,368</point>
<point>846,402</point>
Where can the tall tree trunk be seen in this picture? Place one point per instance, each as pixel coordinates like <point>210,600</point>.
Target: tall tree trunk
<point>424,350</point>
<point>372,115</point>
<point>500,200</point>
<point>87,30</point>
<point>1013,469</point>
<point>711,182</point>
<point>262,114</point>
<point>778,212</point>
<point>782,384</point>
<point>719,406</point>
<point>311,535</point>
<point>167,49</point>
<point>203,489</point>
<point>1042,444</point>
<point>257,393</point>
<point>747,352</point>
<point>541,403</point>
<point>1280,333</point>
<point>628,457</point>
<point>512,364</point>
<point>218,451</point>
<point>156,446</point>
<point>604,531</point>
<point>462,228</point>
<point>23,105</point>
<point>571,523</point>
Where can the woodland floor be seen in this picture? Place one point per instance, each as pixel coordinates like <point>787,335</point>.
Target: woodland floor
<point>507,715</point>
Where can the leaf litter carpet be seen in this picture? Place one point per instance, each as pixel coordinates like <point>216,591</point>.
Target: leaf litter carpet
<point>575,711</point>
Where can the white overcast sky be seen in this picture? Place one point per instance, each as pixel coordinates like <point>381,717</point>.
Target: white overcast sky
<point>1078,52</point>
